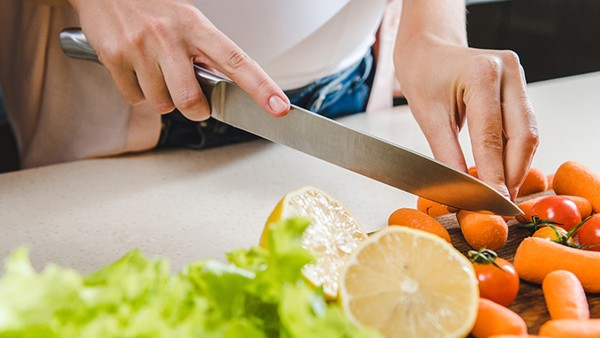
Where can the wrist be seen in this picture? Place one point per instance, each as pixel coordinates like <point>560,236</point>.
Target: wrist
<point>424,21</point>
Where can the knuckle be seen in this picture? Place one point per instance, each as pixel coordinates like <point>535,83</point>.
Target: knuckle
<point>189,100</point>
<point>510,59</point>
<point>237,59</point>
<point>531,137</point>
<point>110,54</point>
<point>492,141</point>
<point>487,69</point>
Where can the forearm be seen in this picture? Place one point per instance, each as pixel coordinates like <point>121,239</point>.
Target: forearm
<point>442,20</point>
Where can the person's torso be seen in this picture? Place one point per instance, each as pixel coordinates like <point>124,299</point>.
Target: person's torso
<point>298,41</point>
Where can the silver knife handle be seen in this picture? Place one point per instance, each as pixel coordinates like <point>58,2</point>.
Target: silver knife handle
<point>75,45</point>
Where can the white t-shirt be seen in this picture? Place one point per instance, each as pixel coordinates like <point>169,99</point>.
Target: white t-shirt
<point>298,41</point>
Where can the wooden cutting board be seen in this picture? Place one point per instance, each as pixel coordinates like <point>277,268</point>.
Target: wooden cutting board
<point>530,302</point>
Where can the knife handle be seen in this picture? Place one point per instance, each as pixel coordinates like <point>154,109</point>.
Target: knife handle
<point>75,45</point>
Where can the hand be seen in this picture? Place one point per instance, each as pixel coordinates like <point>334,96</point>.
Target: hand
<point>447,83</point>
<point>150,46</point>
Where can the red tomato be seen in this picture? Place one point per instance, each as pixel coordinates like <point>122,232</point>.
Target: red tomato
<point>498,284</point>
<point>558,209</point>
<point>589,233</point>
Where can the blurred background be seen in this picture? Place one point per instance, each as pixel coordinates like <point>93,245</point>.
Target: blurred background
<point>554,38</point>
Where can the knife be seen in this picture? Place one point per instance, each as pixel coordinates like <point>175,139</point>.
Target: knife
<point>333,142</point>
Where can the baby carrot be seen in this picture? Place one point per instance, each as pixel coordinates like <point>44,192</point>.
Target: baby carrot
<point>564,295</point>
<point>580,328</point>
<point>516,336</point>
<point>574,178</point>
<point>550,178</point>
<point>483,230</point>
<point>495,319</point>
<point>416,219</point>
<point>535,181</point>
<point>431,208</point>
<point>583,204</point>
<point>536,257</point>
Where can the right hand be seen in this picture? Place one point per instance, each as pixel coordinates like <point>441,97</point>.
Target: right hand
<point>150,46</point>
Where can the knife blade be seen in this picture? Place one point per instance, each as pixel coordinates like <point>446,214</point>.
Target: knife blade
<point>335,143</point>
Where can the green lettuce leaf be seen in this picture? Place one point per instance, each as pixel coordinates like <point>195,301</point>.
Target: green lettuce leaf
<point>258,293</point>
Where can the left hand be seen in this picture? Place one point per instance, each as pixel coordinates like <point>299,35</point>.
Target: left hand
<point>446,83</point>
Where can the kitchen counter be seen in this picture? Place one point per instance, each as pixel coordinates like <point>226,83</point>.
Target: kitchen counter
<point>189,205</point>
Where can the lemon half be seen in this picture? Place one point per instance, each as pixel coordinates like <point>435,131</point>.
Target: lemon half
<point>331,237</point>
<point>405,282</point>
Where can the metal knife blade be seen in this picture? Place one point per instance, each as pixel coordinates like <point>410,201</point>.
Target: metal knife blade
<point>335,143</point>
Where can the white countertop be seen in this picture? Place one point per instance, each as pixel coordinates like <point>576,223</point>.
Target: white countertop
<point>189,205</point>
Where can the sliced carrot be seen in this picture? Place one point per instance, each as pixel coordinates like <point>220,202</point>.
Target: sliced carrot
<point>416,219</point>
<point>574,178</point>
<point>564,295</point>
<point>431,208</point>
<point>537,257</point>
<point>568,328</point>
<point>535,181</point>
<point>483,230</point>
<point>495,319</point>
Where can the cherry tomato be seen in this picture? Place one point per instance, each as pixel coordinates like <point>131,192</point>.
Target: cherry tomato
<point>589,233</point>
<point>549,233</point>
<point>497,283</point>
<point>558,209</point>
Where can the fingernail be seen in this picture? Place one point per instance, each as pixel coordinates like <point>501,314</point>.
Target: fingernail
<point>277,105</point>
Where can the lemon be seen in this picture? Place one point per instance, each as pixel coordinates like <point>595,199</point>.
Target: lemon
<point>331,237</point>
<point>405,282</point>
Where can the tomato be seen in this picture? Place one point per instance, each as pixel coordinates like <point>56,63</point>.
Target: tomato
<point>589,233</point>
<point>497,283</point>
<point>558,209</point>
<point>550,233</point>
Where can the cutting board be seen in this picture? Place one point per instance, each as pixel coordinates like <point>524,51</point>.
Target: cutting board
<point>530,302</point>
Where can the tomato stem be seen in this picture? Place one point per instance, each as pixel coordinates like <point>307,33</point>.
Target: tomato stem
<point>484,256</point>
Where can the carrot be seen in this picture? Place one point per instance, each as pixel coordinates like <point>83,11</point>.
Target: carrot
<point>494,319</point>
<point>483,230</point>
<point>516,336</point>
<point>526,206</point>
<point>574,178</point>
<point>416,219</point>
<point>583,204</point>
<point>580,328</point>
<point>536,257</point>
<point>535,181</point>
<point>550,178</point>
<point>564,295</point>
<point>431,208</point>
<point>473,171</point>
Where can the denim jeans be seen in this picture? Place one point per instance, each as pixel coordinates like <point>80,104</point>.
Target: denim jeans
<point>340,94</point>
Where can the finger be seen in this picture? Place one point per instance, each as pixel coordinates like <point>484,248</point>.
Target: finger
<point>151,80</point>
<point>127,84</point>
<point>184,88</point>
<point>520,126</point>
<point>484,118</point>
<point>442,136</point>
<point>230,60</point>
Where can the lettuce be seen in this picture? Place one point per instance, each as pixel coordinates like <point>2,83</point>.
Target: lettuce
<point>258,293</point>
